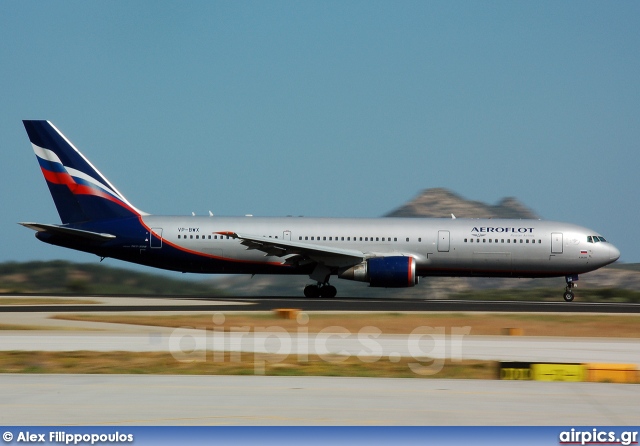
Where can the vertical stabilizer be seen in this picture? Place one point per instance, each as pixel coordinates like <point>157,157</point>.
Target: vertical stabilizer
<point>80,192</point>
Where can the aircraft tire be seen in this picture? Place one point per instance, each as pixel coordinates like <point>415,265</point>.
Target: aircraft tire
<point>311,291</point>
<point>328,291</point>
<point>568,296</point>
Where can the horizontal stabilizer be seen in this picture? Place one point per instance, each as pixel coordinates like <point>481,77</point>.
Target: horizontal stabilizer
<point>69,232</point>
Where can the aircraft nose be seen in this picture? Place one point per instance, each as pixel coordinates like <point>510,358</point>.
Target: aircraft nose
<point>614,253</point>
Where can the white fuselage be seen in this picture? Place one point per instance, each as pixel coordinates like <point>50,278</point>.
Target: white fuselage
<point>485,247</point>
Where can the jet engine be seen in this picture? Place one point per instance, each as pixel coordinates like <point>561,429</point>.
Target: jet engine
<point>387,272</point>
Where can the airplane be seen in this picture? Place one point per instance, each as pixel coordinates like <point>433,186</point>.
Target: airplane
<point>383,252</point>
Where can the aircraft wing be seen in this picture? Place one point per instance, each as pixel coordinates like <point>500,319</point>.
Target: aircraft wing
<point>69,232</point>
<point>298,251</point>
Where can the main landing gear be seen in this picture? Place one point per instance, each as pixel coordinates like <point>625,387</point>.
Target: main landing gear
<point>568,291</point>
<point>320,290</point>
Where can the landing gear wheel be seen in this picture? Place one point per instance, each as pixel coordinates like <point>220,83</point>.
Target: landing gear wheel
<point>571,284</point>
<point>311,291</point>
<point>568,296</point>
<point>328,291</point>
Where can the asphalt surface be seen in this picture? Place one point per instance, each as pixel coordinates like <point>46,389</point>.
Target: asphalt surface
<point>174,303</point>
<point>273,400</point>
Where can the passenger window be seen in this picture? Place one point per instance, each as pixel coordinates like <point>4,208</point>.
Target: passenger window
<point>407,238</point>
<point>419,239</point>
<point>501,240</point>
<point>484,240</point>
<point>324,238</point>
<point>395,239</point>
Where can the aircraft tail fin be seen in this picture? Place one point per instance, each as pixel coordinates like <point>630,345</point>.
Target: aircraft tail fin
<point>80,192</point>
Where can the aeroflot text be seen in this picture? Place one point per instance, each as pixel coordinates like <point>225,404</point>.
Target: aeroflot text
<point>494,229</point>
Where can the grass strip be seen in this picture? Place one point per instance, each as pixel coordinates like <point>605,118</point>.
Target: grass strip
<point>45,301</point>
<point>160,363</point>
<point>569,325</point>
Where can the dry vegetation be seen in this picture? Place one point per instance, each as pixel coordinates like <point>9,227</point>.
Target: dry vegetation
<point>246,364</point>
<point>397,323</point>
<point>45,301</point>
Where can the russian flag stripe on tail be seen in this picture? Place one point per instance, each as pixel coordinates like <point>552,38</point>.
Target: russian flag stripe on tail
<point>80,192</point>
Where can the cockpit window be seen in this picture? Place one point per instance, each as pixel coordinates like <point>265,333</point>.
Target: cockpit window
<point>589,239</point>
<point>601,238</point>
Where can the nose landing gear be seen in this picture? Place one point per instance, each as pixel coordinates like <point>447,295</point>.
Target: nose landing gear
<point>568,291</point>
<point>320,290</point>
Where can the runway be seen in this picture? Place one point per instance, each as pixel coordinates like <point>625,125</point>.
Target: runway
<point>45,399</point>
<point>198,345</point>
<point>113,304</point>
<point>461,343</point>
<point>263,400</point>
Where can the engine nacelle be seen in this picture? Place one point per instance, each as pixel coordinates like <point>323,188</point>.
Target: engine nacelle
<point>388,272</point>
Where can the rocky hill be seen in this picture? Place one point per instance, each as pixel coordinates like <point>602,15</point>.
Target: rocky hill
<point>60,277</point>
<point>442,203</point>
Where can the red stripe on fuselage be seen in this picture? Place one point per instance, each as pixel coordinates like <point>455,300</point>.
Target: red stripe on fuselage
<point>211,256</point>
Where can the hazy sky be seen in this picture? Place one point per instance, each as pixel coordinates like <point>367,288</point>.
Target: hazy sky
<point>332,108</point>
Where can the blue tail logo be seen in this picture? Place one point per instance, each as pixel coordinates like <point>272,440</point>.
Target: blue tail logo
<point>80,192</point>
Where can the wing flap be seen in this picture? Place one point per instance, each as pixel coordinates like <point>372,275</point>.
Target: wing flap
<point>328,255</point>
